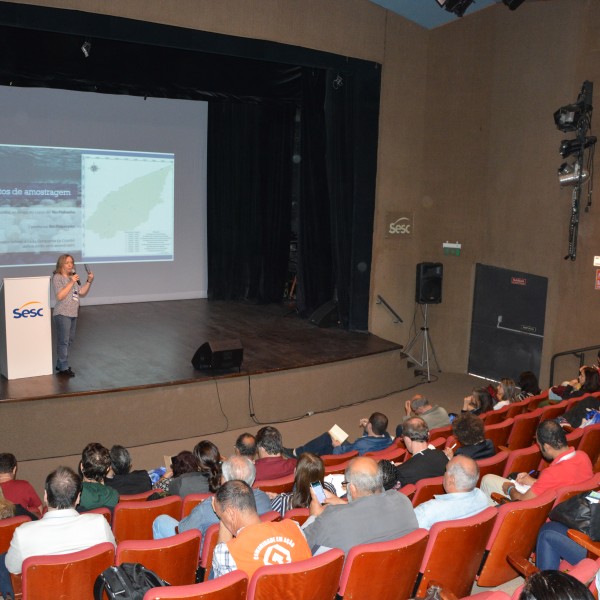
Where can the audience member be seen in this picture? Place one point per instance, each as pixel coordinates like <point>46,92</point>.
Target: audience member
<point>203,515</point>
<point>554,544</point>
<point>245,542</point>
<point>245,445</point>
<point>183,462</point>
<point>62,529</point>
<point>205,478</point>
<point>479,402</point>
<point>576,416</point>
<point>469,431</point>
<point>567,467</point>
<point>374,437</point>
<point>528,382</point>
<point>554,585</point>
<point>7,508</point>
<point>124,480</point>
<point>506,393</point>
<point>462,499</point>
<point>586,383</point>
<point>309,468</point>
<point>94,466</point>
<point>388,473</point>
<point>270,463</point>
<point>434,415</point>
<point>426,460</point>
<point>370,515</point>
<point>18,491</point>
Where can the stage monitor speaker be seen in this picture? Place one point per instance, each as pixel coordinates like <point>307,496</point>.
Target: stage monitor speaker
<point>429,283</point>
<point>219,354</point>
<point>326,315</point>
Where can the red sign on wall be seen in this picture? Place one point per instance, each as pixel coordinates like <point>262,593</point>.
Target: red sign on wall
<point>597,286</point>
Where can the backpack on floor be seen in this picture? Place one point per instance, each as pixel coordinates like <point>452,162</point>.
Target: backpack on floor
<point>129,581</point>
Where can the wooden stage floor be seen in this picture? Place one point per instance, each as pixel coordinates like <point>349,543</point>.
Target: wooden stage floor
<point>129,346</point>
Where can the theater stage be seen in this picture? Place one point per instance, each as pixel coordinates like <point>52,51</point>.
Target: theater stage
<point>136,385</point>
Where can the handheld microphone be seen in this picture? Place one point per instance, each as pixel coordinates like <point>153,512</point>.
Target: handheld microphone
<point>74,273</point>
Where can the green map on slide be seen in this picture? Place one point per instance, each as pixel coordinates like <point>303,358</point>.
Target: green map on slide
<point>130,205</point>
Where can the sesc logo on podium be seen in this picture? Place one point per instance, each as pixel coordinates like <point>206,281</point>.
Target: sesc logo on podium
<point>399,225</point>
<point>29,313</point>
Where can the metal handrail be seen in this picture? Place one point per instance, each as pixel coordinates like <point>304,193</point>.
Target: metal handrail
<point>578,352</point>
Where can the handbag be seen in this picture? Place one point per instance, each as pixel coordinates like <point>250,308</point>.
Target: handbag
<point>581,513</point>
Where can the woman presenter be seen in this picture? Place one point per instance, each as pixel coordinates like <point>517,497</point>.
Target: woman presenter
<point>68,289</point>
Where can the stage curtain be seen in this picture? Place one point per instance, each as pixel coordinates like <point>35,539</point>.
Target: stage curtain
<point>315,280</point>
<point>339,110</point>
<point>249,201</point>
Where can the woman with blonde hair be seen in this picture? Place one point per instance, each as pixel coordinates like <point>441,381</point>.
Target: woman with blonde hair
<point>506,392</point>
<point>67,289</point>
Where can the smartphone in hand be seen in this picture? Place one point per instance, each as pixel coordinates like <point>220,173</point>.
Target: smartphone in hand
<point>319,491</point>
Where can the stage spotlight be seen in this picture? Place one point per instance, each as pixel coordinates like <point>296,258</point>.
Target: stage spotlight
<point>458,7</point>
<point>86,48</point>
<point>567,118</point>
<point>569,147</point>
<point>571,174</point>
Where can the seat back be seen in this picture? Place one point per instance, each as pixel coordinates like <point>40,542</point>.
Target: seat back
<point>210,542</point>
<point>133,520</point>
<point>498,433</point>
<point>590,442</point>
<point>276,486</point>
<point>553,411</point>
<point>464,538</point>
<point>174,559</point>
<point>316,577</point>
<point>338,468</point>
<point>514,532</point>
<point>439,432</point>
<point>297,514</point>
<point>384,570</point>
<point>394,453</point>
<point>231,586</point>
<point>135,497</point>
<point>493,417</point>
<point>66,576</point>
<point>517,408</point>
<point>335,459</point>
<point>522,433</point>
<point>568,491</point>
<point>523,460</point>
<point>271,515</point>
<point>534,401</point>
<point>493,465</point>
<point>427,488</point>
<point>102,510</point>
<point>7,528</point>
<point>574,438</point>
<point>191,501</point>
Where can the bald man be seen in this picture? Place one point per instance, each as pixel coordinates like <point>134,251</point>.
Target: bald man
<point>419,406</point>
<point>370,515</point>
<point>462,499</point>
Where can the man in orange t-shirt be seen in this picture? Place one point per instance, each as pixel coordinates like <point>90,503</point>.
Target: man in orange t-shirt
<point>245,542</point>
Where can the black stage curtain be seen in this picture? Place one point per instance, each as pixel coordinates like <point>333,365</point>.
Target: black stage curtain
<point>314,236</point>
<point>249,201</point>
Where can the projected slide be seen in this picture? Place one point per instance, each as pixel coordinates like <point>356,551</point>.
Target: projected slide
<point>104,205</point>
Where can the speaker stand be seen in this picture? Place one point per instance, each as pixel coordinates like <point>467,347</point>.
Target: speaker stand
<point>426,346</point>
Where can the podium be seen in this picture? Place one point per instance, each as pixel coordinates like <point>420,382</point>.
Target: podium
<point>26,331</point>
